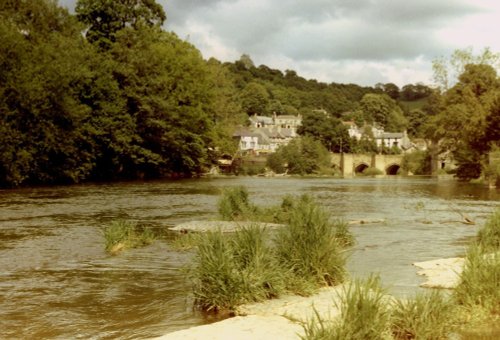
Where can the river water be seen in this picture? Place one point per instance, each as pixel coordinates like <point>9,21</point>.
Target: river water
<point>57,282</point>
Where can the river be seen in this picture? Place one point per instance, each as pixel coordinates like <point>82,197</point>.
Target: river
<point>57,282</point>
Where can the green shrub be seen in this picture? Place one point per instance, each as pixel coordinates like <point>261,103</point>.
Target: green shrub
<point>364,315</point>
<point>234,204</point>
<point>427,316</point>
<point>307,245</point>
<point>417,162</point>
<point>235,269</point>
<point>121,235</point>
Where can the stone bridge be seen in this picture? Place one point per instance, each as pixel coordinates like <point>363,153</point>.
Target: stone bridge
<point>352,164</point>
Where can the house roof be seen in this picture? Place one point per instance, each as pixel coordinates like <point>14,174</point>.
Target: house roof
<point>289,117</point>
<point>392,135</point>
<point>262,119</point>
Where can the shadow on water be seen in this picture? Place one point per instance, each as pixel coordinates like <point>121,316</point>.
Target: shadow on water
<point>56,281</point>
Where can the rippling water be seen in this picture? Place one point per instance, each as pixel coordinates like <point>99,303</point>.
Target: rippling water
<point>56,281</point>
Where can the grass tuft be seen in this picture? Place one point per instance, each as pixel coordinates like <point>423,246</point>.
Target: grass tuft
<point>428,315</point>
<point>364,314</point>
<point>235,269</point>
<point>235,205</point>
<point>480,281</point>
<point>488,237</point>
<point>308,247</point>
<point>185,242</point>
<point>121,235</point>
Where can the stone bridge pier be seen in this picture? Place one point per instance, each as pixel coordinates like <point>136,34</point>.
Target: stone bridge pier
<point>353,164</point>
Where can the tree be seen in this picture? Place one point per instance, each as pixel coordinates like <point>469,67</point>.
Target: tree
<point>384,111</point>
<point>469,107</point>
<point>412,92</point>
<point>167,90</point>
<point>45,136</point>
<point>254,98</point>
<point>447,71</point>
<point>326,129</point>
<point>302,156</point>
<point>105,18</point>
<point>226,110</point>
<point>390,89</point>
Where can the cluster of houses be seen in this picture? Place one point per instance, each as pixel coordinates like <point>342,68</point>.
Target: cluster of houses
<point>267,134</point>
<point>382,138</point>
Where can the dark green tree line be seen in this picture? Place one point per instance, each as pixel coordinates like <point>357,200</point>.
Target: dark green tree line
<point>72,111</point>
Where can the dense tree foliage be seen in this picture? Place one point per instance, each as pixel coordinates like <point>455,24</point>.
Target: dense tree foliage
<point>301,156</point>
<point>71,112</point>
<point>104,18</point>
<point>382,110</point>
<point>469,111</point>
<point>328,130</point>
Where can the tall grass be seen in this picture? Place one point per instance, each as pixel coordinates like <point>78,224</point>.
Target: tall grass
<point>428,315</point>
<point>307,245</point>
<point>185,242</point>
<point>235,205</point>
<point>488,237</point>
<point>480,280</point>
<point>342,234</point>
<point>251,265</point>
<point>364,314</point>
<point>234,269</point>
<point>478,292</point>
<point>121,235</point>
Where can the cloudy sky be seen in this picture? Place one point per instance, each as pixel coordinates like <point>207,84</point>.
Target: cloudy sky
<point>345,41</point>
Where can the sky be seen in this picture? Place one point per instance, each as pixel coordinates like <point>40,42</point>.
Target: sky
<point>364,42</point>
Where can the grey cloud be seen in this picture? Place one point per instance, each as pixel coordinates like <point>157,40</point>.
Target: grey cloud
<point>362,30</point>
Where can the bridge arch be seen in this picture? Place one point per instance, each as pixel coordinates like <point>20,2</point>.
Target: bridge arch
<point>392,169</point>
<point>359,168</point>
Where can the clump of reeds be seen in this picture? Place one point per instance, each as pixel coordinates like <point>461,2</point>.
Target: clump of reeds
<point>488,237</point>
<point>235,205</point>
<point>364,314</point>
<point>480,280</point>
<point>308,247</point>
<point>478,293</point>
<point>343,235</point>
<point>234,269</point>
<point>186,241</point>
<point>252,264</point>
<point>428,315</point>
<point>121,235</point>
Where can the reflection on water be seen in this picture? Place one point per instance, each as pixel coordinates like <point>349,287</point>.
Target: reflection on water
<point>57,282</point>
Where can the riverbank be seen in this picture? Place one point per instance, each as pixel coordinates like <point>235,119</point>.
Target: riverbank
<point>284,318</point>
<point>272,319</point>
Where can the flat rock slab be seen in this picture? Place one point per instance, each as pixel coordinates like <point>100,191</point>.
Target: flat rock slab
<point>224,226</point>
<point>441,273</point>
<point>250,327</point>
<point>300,308</point>
<point>277,319</point>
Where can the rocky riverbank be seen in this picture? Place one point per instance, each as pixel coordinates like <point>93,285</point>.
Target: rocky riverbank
<point>273,319</point>
<point>283,318</point>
